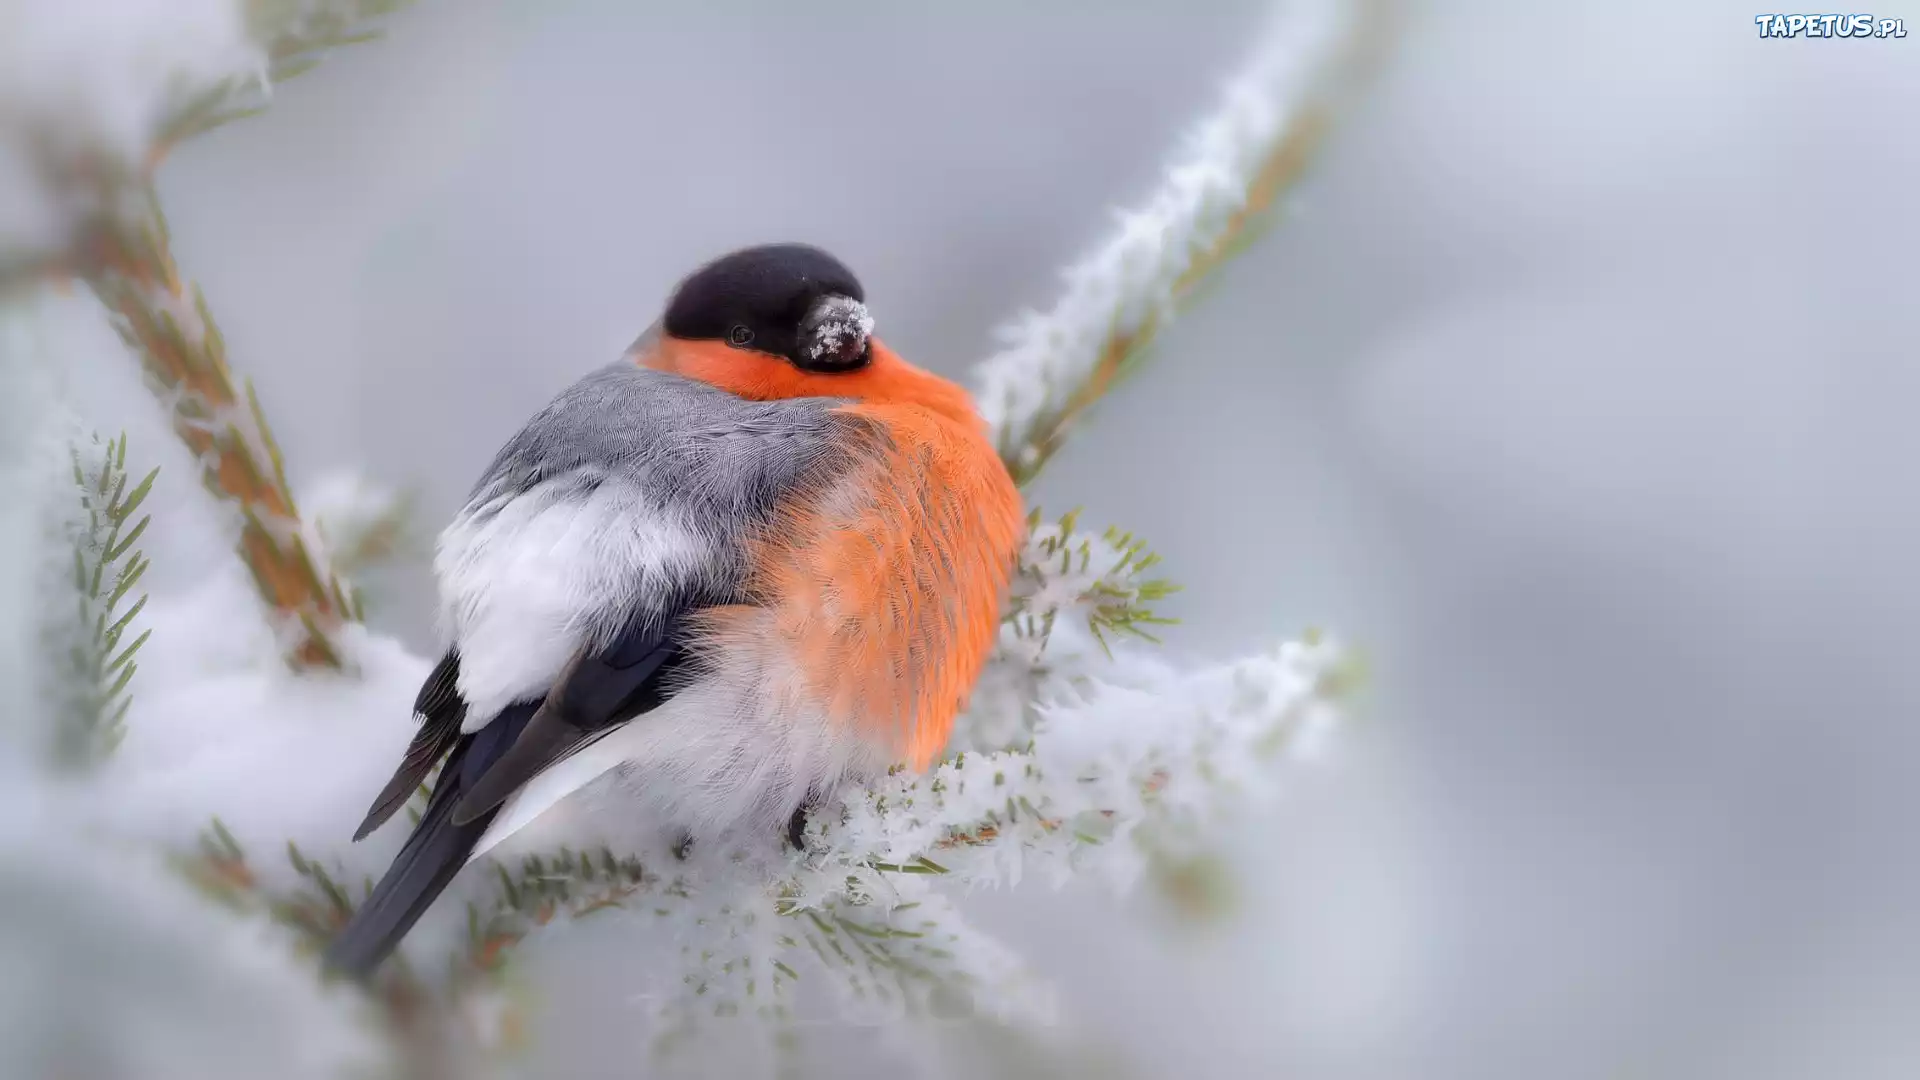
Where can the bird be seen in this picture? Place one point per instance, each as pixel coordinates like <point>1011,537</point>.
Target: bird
<point>756,558</point>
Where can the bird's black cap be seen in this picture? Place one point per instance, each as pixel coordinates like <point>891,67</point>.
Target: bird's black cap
<point>791,300</point>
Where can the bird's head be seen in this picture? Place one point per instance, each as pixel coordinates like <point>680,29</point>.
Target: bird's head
<point>784,321</point>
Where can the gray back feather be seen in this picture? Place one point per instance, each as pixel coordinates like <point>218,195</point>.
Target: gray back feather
<point>668,434</point>
<point>718,462</point>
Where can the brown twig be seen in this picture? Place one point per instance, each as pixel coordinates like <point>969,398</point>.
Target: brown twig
<point>127,261</point>
<point>122,251</point>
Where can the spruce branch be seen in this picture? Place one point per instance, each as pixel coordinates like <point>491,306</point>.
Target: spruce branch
<point>893,958</point>
<point>100,186</point>
<point>1108,783</point>
<point>168,326</point>
<point>137,975</point>
<point>1074,595</point>
<point>1102,764</point>
<point>97,653</point>
<point>1103,577</point>
<point>294,37</point>
<point>433,1027</point>
<point>1217,191</point>
<point>86,144</point>
<point>313,910</point>
<point>538,889</point>
<point>469,992</point>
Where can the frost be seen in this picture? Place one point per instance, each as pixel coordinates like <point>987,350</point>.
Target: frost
<point>108,71</point>
<point>355,521</point>
<point>842,320</point>
<point>99,78</point>
<point>116,969</point>
<point>222,728</point>
<point>1134,276</point>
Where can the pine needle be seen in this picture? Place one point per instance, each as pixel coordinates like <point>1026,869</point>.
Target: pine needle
<point>93,672</point>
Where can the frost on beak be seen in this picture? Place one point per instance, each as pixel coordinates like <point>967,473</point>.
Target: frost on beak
<point>835,332</point>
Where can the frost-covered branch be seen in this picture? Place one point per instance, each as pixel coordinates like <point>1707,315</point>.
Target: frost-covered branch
<point>117,969</point>
<point>1104,576</point>
<point>1112,777</point>
<point>86,111</point>
<point>1073,593</point>
<point>1174,755</point>
<point>129,973</point>
<point>437,1024</point>
<point>293,36</point>
<point>1057,363</point>
<point>168,326</point>
<point>93,96</point>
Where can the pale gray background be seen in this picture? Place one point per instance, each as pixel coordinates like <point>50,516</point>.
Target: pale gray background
<point>1578,387</point>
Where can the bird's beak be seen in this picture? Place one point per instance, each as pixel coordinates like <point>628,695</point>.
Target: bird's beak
<point>833,336</point>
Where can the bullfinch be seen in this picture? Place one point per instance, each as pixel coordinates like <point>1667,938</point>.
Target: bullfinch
<point>758,557</point>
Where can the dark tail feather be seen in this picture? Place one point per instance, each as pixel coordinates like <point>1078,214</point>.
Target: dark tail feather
<point>431,857</point>
<point>441,711</point>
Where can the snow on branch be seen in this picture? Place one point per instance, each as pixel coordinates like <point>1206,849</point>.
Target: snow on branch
<point>118,968</point>
<point>125,972</point>
<point>1057,363</point>
<point>95,94</point>
<point>1073,594</point>
<point>168,326</point>
<point>867,908</point>
<point>88,107</point>
<point>84,90</point>
<point>1178,752</point>
<point>293,37</point>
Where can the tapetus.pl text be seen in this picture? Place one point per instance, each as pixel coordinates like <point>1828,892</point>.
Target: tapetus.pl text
<point>1829,26</point>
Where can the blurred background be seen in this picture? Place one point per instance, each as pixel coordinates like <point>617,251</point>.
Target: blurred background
<point>1575,385</point>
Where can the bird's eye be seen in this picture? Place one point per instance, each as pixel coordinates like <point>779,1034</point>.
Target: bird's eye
<point>741,335</point>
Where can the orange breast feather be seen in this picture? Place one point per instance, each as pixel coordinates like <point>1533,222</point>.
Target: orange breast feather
<point>885,588</point>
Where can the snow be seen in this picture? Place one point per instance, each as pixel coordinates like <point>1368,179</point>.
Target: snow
<point>350,510</point>
<point>115,967</point>
<point>107,71</point>
<point>842,319</point>
<point>99,77</point>
<point>220,726</point>
<point>1185,746</point>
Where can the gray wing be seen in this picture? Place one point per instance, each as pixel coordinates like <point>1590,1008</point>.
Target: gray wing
<point>626,499</point>
<point>716,452</point>
<point>717,463</point>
